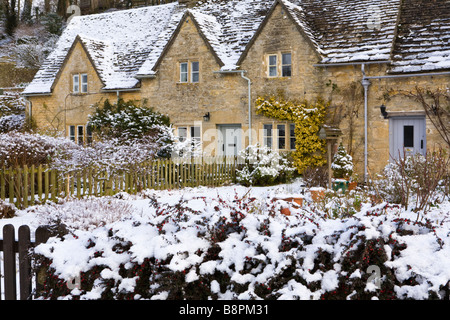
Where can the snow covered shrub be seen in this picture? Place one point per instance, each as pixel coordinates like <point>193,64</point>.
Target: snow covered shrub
<point>84,214</point>
<point>263,166</point>
<point>18,149</point>
<point>413,180</point>
<point>315,177</point>
<point>126,120</point>
<point>14,122</point>
<point>7,210</point>
<point>342,164</point>
<point>12,112</point>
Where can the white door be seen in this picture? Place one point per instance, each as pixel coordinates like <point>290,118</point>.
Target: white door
<point>229,140</point>
<point>406,136</point>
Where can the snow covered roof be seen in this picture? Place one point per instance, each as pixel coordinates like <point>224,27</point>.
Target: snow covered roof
<point>126,45</point>
<point>117,42</point>
<point>423,41</point>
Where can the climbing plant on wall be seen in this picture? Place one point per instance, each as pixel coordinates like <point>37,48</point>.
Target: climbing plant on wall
<point>308,118</point>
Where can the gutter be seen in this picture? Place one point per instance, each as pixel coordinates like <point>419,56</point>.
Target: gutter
<point>249,100</point>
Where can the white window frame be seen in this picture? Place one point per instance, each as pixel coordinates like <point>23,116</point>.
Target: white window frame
<point>84,82</point>
<point>292,136</point>
<point>286,65</point>
<point>268,135</point>
<point>197,72</point>
<point>72,133</point>
<point>281,137</point>
<point>184,74</point>
<point>76,83</point>
<point>272,66</point>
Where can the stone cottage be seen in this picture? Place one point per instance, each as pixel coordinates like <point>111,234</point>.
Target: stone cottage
<point>205,63</point>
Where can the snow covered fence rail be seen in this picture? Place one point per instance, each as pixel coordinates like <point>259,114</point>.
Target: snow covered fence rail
<point>29,185</point>
<point>17,261</point>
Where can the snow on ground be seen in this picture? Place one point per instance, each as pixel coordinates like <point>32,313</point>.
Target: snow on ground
<point>160,234</point>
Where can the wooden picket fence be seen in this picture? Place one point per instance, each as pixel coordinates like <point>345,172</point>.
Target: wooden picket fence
<point>26,186</point>
<point>18,276</point>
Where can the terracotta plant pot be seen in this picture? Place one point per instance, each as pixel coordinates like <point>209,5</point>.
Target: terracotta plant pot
<point>317,194</point>
<point>286,211</point>
<point>352,185</point>
<point>296,200</point>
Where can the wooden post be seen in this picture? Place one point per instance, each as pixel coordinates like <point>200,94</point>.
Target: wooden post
<point>24,263</point>
<point>32,184</point>
<point>9,262</point>
<point>41,236</point>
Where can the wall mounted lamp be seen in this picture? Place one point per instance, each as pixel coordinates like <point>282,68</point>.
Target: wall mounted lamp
<point>206,117</point>
<point>383,111</point>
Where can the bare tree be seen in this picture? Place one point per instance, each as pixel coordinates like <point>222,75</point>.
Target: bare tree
<point>437,108</point>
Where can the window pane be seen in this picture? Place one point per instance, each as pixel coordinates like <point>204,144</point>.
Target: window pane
<point>195,67</point>
<point>80,134</point>
<point>84,83</point>
<point>72,133</point>
<point>273,71</point>
<point>184,72</point>
<point>272,60</point>
<point>286,68</point>
<point>281,136</point>
<point>286,58</point>
<point>182,134</point>
<point>268,135</point>
<point>195,132</point>
<point>89,134</point>
<point>195,77</point>
<point>272,66</point>
<point>286,71</point>
<point>408,136</point>
<point>76,83</point>
<point>292,136</point>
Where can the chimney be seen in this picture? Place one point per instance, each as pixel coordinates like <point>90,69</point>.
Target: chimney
<point>188,3</point>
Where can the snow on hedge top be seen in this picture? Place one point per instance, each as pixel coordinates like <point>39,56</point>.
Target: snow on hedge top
<point>118,43</point>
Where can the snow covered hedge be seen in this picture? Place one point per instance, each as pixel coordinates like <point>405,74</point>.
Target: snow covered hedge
<point>219,247</point>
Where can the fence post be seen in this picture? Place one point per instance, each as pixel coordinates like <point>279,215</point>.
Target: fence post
<point>9,262</point>
<point>41,236</point>
<point>24,262</point>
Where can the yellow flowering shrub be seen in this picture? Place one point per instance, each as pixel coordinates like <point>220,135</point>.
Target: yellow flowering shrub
<point>308,118</point>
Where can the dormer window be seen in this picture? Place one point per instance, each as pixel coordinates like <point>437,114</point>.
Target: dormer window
<point>80,83</point>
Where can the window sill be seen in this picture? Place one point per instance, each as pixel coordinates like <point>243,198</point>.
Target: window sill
<point>279,78</point>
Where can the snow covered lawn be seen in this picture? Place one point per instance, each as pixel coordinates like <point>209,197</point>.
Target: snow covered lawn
<point>233,243</point>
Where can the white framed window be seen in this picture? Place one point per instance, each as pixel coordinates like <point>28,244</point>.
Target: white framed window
<point>84,83</point>
<point>195,133</point>
<point>80,83</point>
<point>72,133</point>
<point>182,134</point>
<point>80,135</point>
<point>76,83</point>
<point>183,72</point>
<point>286,65</point>
<point>89,134</point>
<point>267,135</point>
<point>273,65</point>
<point>281,130</point>
<point>195,72</point>
<point>292,136</point>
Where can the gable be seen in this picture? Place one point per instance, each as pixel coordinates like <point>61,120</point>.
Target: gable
<point>294,13</point>
<point>182,28</point>
<point>77,60</point>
